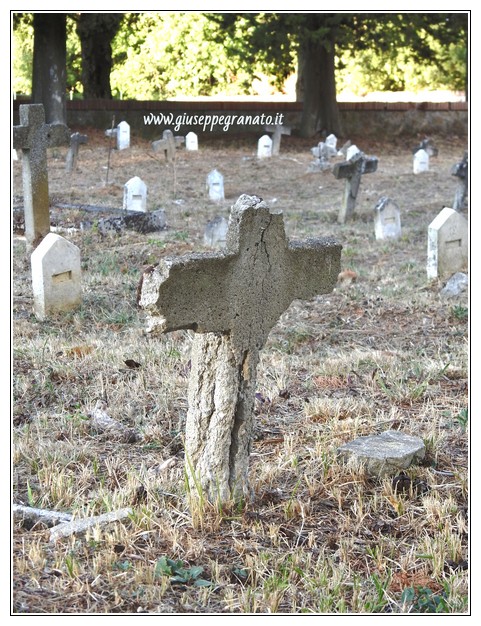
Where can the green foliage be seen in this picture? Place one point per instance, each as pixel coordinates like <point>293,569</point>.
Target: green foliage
<point>177,573</point>
<point>460,312</point>
<point>423,600</point>
<point>172,54</point>
<point>22,55</point>
<point>462,418</point>
<point>162,55</point>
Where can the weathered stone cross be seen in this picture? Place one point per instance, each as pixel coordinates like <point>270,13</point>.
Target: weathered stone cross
<point>352,170</point>
<point>33,137</point>
<point>278,130</point>
<point>460,170</point>
<point>231,300</point>
<point>75,142</point>
<point>168,144</point>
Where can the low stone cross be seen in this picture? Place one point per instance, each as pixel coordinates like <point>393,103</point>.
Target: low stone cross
<point>168,144</point>
<point>232,299</point>
<point>352,170</point>
<point>76,140</point>
<point>460,170</point>
<point>33,137</point>
<point>277,131</point>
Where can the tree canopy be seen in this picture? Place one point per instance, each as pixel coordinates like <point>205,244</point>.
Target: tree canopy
<point>156,55</point>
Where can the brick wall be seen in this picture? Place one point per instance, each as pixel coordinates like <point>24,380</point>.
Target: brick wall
<point>379,119</point>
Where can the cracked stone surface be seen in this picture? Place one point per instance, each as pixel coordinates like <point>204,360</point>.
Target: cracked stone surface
<point>232,299</point>
<point>386,453</point>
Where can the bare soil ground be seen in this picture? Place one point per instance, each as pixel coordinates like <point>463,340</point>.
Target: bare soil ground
<point>383,351</point>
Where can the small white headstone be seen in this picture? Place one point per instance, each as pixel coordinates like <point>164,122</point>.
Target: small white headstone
<point>191,141</point>
<point>387,219</point>
<point>215,185</point>
<point>264,147</point>
<point>351,151</point>
<point>56,276</point>
<point>135,195</point>
<point>447,244</point>
<point>14,155</point>
<point>123,136</point>
<point>216,232</point>
<point>331,141</point>
<point>420,162</point>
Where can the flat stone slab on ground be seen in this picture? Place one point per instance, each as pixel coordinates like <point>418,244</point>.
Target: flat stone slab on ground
<point>386,453</point>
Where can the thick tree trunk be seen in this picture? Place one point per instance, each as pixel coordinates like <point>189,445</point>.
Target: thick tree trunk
<point>96,31</point>
<point>316,88</point>
<point>49,82</point>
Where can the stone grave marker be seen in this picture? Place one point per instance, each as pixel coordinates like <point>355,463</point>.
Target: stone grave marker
<point>428,146</point>
<point>168,144</point>
<point>264,147</point>
<point>56,276</point>
<point>387,219</point>
<point>460,170</point>
<point>386,453</point>
<point>123,136</point>
<point>135,195</point>
<point>191,141</point>
<point>33,137</point>
<point>277,131</point>
<point>232,299</point>
<point>216,232</point>
<point>215,185</point>
<point>351,151</point>
<point>352,170</point>
<point>14,155</point>
<point>331,142</point>
<point>76,140</point>
<point>447,244</point>
<point>420,162</point>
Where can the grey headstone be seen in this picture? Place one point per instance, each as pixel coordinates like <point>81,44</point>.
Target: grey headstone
<point>420,162</point>
<point>215,233</point>
<point>135,195</point>
<point>191,141</point>
<point>215,185</point>
<point>123,136</point>
<point>387,219</point>
<point>264,147</point>
<point>447,244</point>
<point>56,276</point>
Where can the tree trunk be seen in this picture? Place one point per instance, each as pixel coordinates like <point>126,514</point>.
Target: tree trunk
<point>49,82</point>
<point>96,31</point>
<point>317,89</point>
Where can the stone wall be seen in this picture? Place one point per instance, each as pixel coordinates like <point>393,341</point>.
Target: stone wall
<point>377,119</point>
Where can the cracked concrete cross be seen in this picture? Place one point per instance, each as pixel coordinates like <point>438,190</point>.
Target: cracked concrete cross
<point>232,299</point>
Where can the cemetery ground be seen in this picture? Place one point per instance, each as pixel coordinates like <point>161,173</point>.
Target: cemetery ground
<point>383,351</point>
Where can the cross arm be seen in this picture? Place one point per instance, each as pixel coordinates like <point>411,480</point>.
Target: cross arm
<point>315,265</point>
<point>187,293</point>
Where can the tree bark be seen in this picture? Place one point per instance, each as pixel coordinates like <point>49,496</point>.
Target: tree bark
<point>49,81</point>
<point>96,31</point>
<point>317,89</point>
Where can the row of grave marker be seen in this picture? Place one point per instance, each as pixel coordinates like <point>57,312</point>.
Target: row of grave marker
<point>56,275</point>
<point>231,325</point>
<point>34,136</point>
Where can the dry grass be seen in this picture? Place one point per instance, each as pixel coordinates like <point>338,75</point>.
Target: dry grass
<point>318,536</point>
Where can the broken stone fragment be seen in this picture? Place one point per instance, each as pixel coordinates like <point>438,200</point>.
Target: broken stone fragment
<point>386,453</point>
